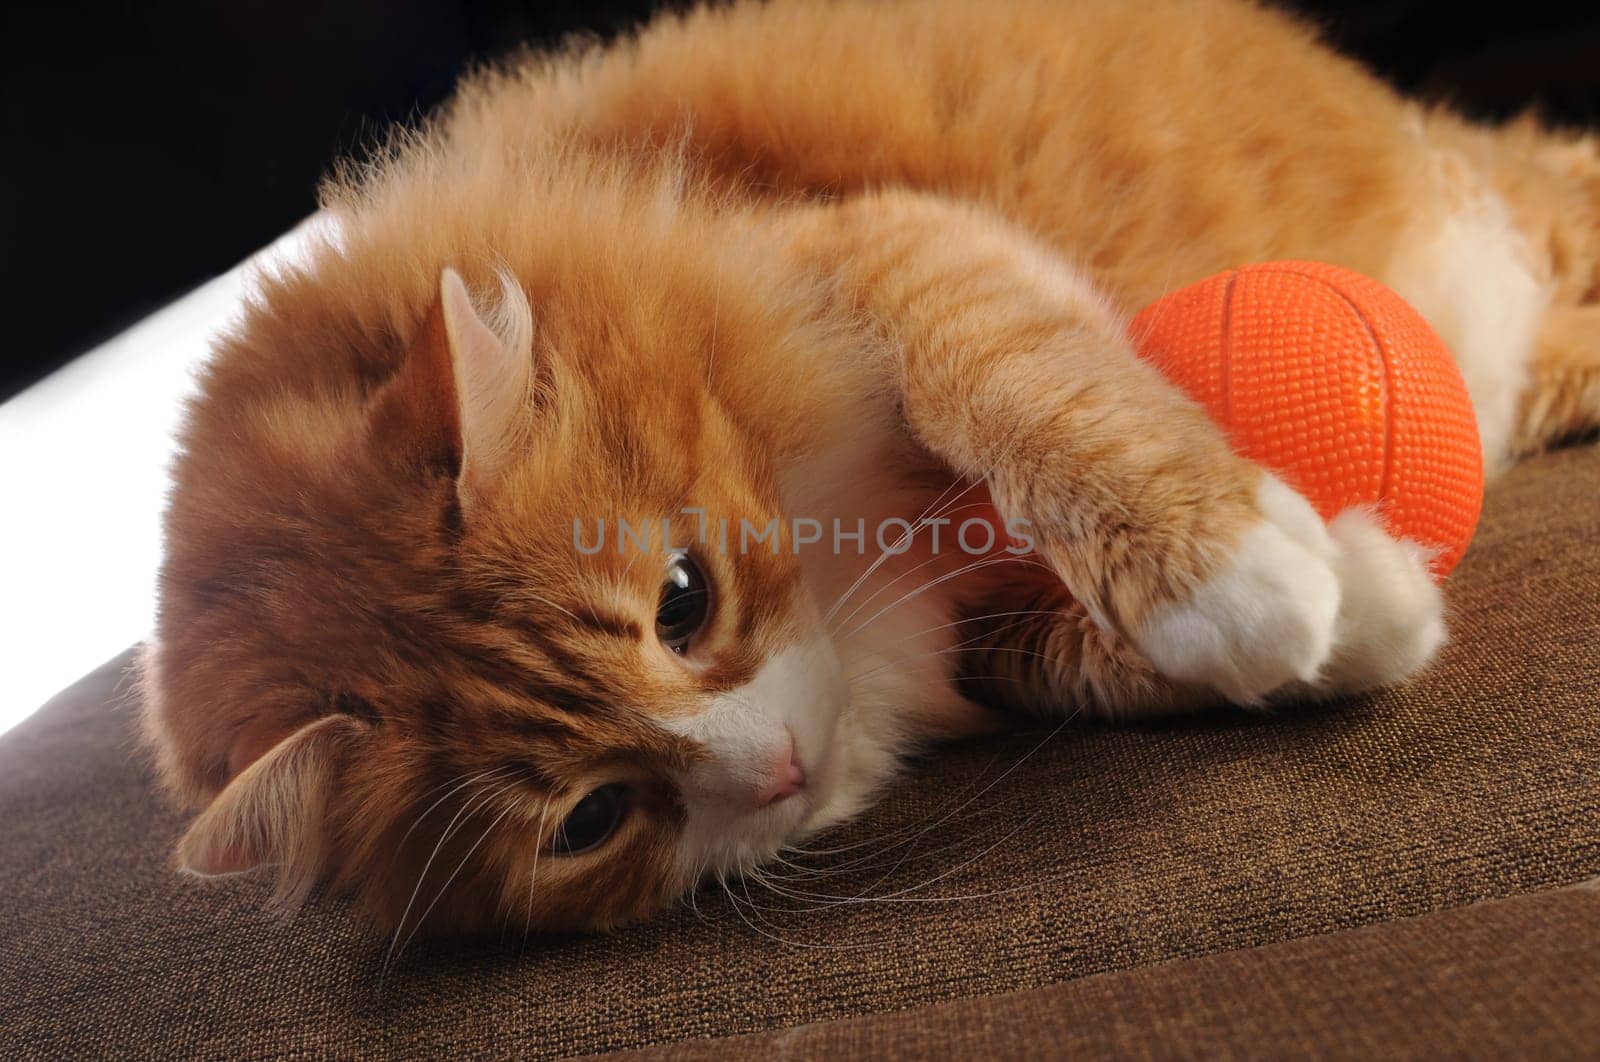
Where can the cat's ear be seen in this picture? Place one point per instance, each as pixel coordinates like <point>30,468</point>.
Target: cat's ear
<point>492,358</point>
<point>272,812</point>
<point>464,389</point>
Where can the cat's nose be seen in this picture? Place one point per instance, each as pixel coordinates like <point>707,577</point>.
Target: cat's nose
<point>785,778</point>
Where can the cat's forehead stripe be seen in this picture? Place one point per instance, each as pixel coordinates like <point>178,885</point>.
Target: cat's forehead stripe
<point>573,700</point>
<point>547,727</point>
<point>559,681</point>
<point>561,657</point>
<point>609,623</point>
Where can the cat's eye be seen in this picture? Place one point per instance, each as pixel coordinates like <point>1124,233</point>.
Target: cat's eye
<point>684,605</point>
<point>591,821</point>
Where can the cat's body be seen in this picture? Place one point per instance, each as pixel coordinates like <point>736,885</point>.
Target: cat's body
<point>850,264</point>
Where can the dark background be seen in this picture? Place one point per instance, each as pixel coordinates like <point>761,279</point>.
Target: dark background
<point>150,146</point>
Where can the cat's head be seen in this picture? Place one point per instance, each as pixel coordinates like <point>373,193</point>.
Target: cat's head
<point>390,655</point>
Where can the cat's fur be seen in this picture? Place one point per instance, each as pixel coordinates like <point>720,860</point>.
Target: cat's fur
<point>830,260</point>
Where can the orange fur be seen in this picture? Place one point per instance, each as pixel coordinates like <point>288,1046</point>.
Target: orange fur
<point>766,259</point>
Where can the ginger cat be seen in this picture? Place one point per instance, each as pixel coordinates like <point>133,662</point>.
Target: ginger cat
<point>527,552</point>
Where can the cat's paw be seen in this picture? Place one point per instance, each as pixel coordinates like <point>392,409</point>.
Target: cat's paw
<point>1391,615</point>
<point>1304,609</point>
<point>1267,619</point>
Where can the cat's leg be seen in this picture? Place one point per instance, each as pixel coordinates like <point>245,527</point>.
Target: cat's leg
<point>1029,645</point>
<point>1503,259</point>
<point>1562,399</point>
<point>1010,368</point>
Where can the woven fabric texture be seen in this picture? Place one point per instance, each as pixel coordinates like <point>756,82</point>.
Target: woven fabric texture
<point>999,866</point>
<point>1516,978</point>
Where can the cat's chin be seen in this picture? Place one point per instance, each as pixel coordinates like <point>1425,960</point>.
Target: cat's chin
<point>842,779</point>
<point>827,801</point>
<point>818,808</point>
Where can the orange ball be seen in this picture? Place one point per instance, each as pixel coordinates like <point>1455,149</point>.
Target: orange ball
<point>1334,382</point>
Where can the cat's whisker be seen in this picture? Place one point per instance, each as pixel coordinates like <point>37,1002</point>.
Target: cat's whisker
<point>799,905</point>
<point>449,828</point>
<point>856,864</point>
<point>820,852</point>
<point>695,882</point>
<point>825,900</point>
<point>929,512</point>
<point>963,677</point>
<point>461,784</point>
<point>449,831</point>
<point>858,677</point>
<point>423,917</point>
<point>533,874</point>
<point>866,888</point>
<point>834,624</point>
<point>888,584</point>
<point>817,877</point>
<point>801,902</point>
<point>884,555</point>
<point>963,897</point>
<point>860,896</point>
<point>903,662</point>
<point>558,607</point>
<point>965,569</point>
<point>798,875</point>
<point>756,909</point>
<point>798,868</point>
<point>860,864</point>
<point>934,510</point>
<point>948,816</point>
<point>964,643</point>
<point>971,619</point>
<point>716,313</point>
<point>733,901</point>
<point>901,894</point>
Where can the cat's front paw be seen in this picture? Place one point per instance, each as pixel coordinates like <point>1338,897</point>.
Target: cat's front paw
<point>1391,616</point>
<point>1267,619</point>
<point>1304,609</point>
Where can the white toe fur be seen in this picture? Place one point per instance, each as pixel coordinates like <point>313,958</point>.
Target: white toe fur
<point>1266,620</point>
<point>1305,608</point>
<point>1392,619</point>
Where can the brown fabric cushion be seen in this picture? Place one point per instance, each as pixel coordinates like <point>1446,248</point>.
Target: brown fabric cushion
<point>1507,978</point>
<point>1025,861</point>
